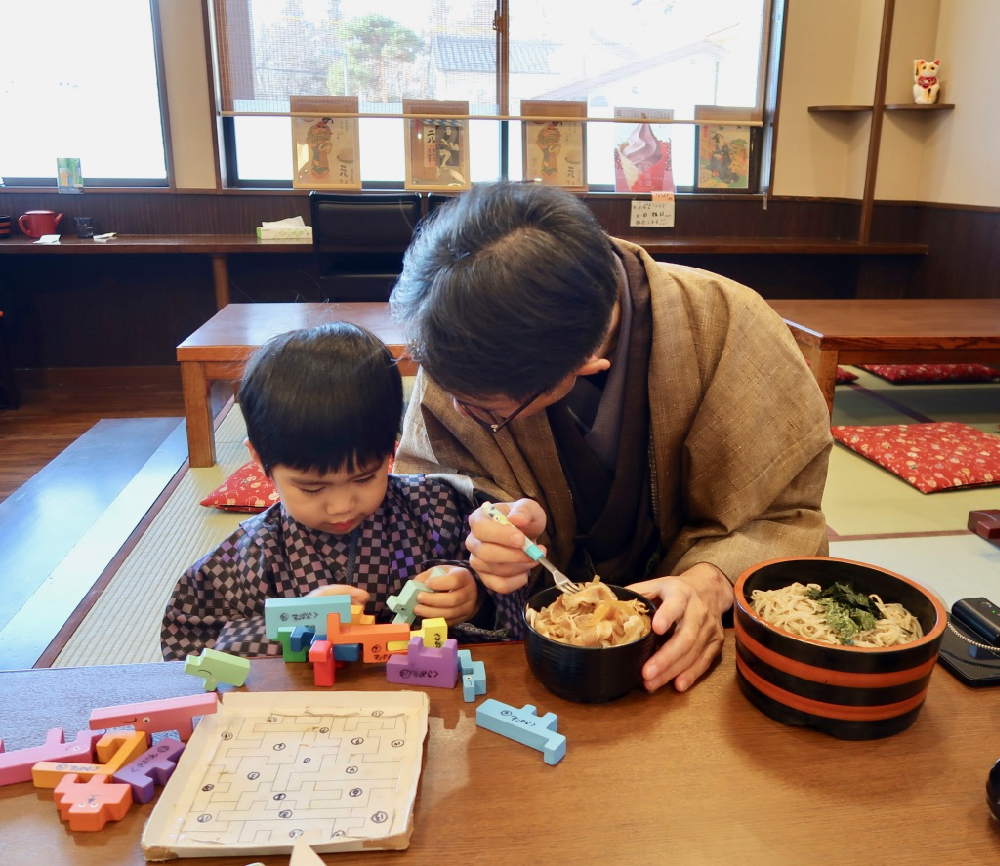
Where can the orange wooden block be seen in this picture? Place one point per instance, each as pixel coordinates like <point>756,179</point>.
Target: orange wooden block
<point>90,805</point>
<point>374,639</point>
<point>114,751</point>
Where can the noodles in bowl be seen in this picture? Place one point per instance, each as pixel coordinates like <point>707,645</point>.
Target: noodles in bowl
<point>836,615</point>
<point>593,617</point>
<point>862,684</point>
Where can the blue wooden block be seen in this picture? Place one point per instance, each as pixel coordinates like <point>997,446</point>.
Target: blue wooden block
<point>473,679</point>
<point>288,653</point>
<point>311,610</point>
<point>302,638</point>
<point>402,605</point>
<point>465,661</point>
<point>347,652</point>
<point>525,726</point>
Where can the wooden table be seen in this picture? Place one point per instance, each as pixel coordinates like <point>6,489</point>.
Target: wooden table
<point>832,332</point>
<point>219,350</point>
<point>216,247</point>
<point>698,778</point>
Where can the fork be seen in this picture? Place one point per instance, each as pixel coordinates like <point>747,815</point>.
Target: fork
<point>563,583</point>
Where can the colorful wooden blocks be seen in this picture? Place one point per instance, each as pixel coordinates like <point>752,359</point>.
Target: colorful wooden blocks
<point>89,805</point>
<point>16,766</point>
<point>169,714</point>
<point>294,643</point>
<point>114,750</point>
<point>525,726</point>
<point>151,768</point>
<point>218,667</point>
<point>433,632</point>
<point>425,666</point>
<point>373,639</point>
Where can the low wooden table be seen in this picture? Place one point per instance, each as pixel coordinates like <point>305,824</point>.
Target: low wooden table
<point>832,332</point>
<point>688,779</point>
<point>219,350</point>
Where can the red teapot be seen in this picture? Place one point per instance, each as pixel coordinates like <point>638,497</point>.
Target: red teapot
<point>35,223</point>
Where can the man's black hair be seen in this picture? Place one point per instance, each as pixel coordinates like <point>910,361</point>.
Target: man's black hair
<point>322,399</point>
<point>506,290</point>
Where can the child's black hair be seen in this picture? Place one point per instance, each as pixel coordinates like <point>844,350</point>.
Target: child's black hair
<point>322,399</point>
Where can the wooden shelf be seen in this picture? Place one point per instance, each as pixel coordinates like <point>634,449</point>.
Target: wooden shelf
<point>856,108</point>
<point>914,106</point>
<point>774,246</point>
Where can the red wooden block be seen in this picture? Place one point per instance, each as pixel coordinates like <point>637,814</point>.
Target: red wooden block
<point>986,524</point>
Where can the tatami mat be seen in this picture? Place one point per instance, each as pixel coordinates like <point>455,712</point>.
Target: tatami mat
<point>862,498</point>
<point>177,536</point>
<point>952,566</point>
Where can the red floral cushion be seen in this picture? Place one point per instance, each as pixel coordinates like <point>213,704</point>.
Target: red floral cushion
<point>905,374</point>
<point>931,457</point>
<point>844,376</point>
<point>247,489</point>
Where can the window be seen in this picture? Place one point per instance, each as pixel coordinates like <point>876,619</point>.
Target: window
<point>79,80</point>
<point>645,54</point>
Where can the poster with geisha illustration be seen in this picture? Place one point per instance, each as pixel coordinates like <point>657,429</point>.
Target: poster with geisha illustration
<point>325,146</point>
<point>437,145</point>
<point>554,150</point>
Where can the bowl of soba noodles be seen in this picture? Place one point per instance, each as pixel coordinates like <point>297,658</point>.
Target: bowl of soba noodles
<point>589,647</point>
<point>841,646</point>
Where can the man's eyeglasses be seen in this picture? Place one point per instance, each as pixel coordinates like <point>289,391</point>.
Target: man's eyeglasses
<point>487,420</point>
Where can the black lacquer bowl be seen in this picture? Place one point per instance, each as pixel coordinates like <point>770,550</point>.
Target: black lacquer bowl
<point>855,693</point>
<point>587,675</point>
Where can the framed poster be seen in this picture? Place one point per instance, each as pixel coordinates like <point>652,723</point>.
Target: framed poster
<point>325,146</point>
<point>554,152</point>
<point>643,153</point>
<point>724,154</point>
<point>437,148</point>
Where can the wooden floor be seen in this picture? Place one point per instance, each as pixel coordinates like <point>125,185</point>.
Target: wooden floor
<point>59,406</point>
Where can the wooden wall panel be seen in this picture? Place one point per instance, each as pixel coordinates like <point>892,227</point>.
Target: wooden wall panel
<point>84,311</point>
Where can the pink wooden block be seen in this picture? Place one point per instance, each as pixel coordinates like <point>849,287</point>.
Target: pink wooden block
<point>425,666</point>
<point>90,805</point>
<point>16,766</point>
<point>170,714</point>
<point>153,767</point>
<point>374,639</point>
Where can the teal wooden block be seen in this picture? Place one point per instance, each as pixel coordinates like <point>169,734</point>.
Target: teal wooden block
<point>311,610</point>
<point>402,605</point>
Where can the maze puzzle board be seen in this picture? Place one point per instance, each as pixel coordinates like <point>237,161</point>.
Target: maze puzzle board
<point>339,769</point>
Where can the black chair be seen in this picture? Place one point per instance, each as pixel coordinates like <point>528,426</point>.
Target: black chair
<point>359,240</point>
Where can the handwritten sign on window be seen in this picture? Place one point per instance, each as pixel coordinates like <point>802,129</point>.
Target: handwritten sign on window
<point>656,213</point>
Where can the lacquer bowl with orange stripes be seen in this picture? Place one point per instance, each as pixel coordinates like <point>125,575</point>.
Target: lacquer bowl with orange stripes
<point>855,693</point>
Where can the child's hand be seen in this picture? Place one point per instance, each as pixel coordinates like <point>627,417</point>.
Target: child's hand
<point>358,595</point>
<point>454,596</point>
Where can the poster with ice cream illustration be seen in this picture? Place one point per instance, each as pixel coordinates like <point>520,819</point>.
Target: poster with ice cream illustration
<point>554,150</point>
<point>325,145</point>
<point>643,155</point>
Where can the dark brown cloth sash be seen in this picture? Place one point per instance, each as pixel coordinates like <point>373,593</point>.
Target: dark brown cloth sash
<point>616,532</point>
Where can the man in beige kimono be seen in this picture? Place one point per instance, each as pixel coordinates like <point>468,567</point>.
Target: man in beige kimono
<point>643,421</point>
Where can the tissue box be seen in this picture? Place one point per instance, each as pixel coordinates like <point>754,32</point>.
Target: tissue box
<point>285,233</point>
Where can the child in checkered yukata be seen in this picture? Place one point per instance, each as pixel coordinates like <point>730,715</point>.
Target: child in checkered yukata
<point>322,409</point>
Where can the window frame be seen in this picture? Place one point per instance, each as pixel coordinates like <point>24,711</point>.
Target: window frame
<point>765,111</point>
<point>48,183</point>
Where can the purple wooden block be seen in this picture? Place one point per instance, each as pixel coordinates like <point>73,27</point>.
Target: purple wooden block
<point>424,665</point>
<point>152,767</point>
